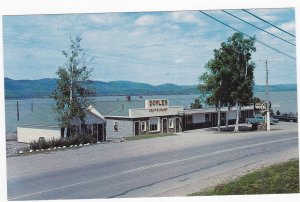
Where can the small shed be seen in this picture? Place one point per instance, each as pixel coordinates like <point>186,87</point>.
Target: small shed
<point>42,123</point>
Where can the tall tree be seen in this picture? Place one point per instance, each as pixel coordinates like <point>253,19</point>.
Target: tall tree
<point>73,92</point>
<point>229,78</point>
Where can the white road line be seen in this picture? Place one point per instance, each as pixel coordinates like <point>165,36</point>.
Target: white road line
<point>152,166</point>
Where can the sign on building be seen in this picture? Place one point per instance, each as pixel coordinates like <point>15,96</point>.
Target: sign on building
<point>157,105</point>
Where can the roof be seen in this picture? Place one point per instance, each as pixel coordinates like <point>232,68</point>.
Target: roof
<point>43,115</point>
<point>117,108</point>
<point>213,110</point>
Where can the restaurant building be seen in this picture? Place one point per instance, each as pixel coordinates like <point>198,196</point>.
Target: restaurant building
<point>133,118</point>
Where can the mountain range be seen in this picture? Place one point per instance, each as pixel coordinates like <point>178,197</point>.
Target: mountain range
<point>43,88</point>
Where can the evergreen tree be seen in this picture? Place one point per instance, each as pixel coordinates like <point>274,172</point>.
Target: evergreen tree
<point>73,92</point>
<point>196,104</point>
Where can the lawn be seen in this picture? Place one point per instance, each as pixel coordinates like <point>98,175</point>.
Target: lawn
<point>148,136</point>
<point>279,178</point>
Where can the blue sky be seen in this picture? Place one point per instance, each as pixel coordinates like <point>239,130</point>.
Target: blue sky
<point>148,47</point>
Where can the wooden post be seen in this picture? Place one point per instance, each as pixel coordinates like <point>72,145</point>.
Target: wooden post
<point>18,117</point>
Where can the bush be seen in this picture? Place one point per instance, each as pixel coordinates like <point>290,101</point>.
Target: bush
<point>72,140</point>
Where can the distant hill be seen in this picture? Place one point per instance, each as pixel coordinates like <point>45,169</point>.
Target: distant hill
<point>43,88</point>
<point>279,87</point>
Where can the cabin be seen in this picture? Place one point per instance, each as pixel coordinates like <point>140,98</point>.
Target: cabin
<point>41,123</point>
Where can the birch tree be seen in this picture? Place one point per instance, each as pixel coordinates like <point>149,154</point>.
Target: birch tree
<point>229,77</point>
<point>73,92</point>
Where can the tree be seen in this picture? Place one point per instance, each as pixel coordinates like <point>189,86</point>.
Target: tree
<point>229,78</point>
<point>196,104</point>
<point>73,92</point>
<point>256,100</point>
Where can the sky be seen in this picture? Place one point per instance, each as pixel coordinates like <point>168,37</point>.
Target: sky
<point>148,47</point>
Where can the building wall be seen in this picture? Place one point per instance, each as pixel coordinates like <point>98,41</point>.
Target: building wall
<point>231,115</point>
<point>137,113</point>
<point>26,134</point>
<point>198,118</point>
<point>125,128</point>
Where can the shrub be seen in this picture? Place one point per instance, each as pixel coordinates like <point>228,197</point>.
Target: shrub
<point>72,140</point>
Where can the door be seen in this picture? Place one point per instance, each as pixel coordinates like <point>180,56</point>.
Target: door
<point>100,133</point>
<point>95,131</point>
<point>214,119</point>
<point>136,128</point>
<point>165,125</point>
<point>177,125</point>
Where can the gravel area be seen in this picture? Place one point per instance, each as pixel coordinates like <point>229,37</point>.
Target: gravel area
<point>13,147</point>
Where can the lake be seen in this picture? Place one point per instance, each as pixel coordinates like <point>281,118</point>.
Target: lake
<point>284,101</point>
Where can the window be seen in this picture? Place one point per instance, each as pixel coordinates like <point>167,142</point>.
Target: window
<point>206,117</point>
<point>154,124</point>
<point>171,123</point>
<point>116,127</point>
<point>144,126</point>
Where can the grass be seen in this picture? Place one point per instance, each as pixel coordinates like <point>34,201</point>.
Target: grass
<point>276,179</point>
<point>148,136</point>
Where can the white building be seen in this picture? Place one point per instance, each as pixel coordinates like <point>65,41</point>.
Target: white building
<point>41,123</point>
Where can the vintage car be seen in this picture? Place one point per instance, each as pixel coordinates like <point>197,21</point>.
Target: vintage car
<point>259,118</point>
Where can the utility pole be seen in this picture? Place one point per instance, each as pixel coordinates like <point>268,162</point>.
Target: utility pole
<point>219,116</point>
<point>267,95</point>
<point>219,112</point>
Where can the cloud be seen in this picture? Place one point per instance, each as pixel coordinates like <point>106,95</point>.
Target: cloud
<point>268,14</point>
<point>179,61</point>
<point>146,20</point>
<point>186,17</point>
<point>105,19</point>
<point>287,26</point>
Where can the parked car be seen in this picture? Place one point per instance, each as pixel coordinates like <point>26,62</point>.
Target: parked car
<point>287,117</point>
<point>259,118</point>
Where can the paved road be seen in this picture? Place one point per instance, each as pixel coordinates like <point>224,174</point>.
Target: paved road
<point>167,166</point>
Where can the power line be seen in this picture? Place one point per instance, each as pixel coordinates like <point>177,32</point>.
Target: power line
<point>268,23</point>
<point>275,49</point>
<point>258,27</point>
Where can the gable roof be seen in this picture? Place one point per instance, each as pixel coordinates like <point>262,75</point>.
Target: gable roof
<point>117,108</point>
<point>43,115</point>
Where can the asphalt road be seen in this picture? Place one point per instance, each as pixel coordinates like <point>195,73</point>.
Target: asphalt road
<point>155,167</point>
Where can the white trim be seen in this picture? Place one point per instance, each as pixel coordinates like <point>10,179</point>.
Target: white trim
<point>145,124</point>
<point>171,120</point>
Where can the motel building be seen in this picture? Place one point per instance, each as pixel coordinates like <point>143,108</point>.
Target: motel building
<point>205,118</point>
<point>108,120</point>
